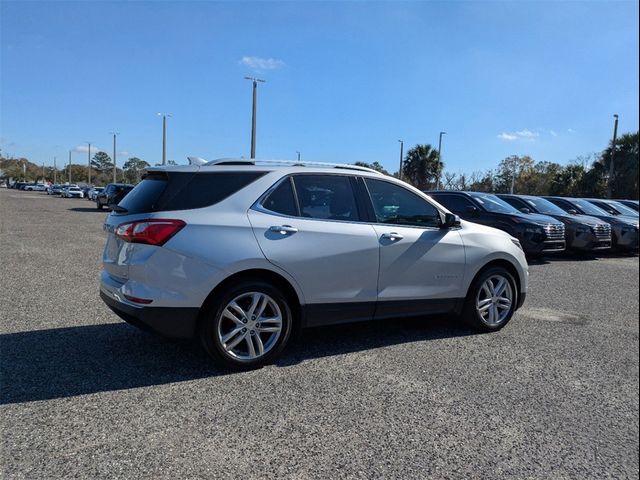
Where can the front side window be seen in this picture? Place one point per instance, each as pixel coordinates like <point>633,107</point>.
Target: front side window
<point>327,197</point>
<point>396,205</point>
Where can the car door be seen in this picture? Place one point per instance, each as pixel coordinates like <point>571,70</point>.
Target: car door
<point>422,265</point>
<point>310,226</point>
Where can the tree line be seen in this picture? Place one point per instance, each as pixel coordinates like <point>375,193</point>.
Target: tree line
<point>584,177</point>
<point>21,169</point>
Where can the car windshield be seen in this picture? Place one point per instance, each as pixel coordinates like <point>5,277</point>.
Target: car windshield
<point>623,209</point>
<point>589,208</point>
<point>545,206</point>
<point>493,204</point>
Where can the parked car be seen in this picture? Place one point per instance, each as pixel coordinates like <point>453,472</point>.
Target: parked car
<point>624,230</point>
<point>633,204</point>
<point>614,208</point>
<point>72,191</point>
<point>582,233</point>
<point>537,233</point>
<point>93,193</point>
<point>240,254</point>
<point>112,194</point>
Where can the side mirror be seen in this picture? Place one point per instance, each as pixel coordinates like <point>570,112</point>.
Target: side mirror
<point>451,221</point>
<point>473,211</point>
<point>525,210</point>
<point>572,211</point>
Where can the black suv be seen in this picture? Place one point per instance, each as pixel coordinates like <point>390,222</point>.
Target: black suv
<point>537,233</point>
<point>112,194</point>
<point>624,230</point>
<point>582,232</point>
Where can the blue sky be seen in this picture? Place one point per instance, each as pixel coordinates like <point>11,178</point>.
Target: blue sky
<point>345,80</point>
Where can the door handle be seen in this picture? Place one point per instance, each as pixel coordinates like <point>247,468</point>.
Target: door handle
<point>283,229</point>
<point>393,236</point>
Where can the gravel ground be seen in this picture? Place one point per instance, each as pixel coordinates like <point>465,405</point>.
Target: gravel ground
<point>83,395</point>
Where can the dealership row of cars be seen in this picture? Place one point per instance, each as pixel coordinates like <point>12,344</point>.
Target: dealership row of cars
<point>108,196</point>
<point>550,224</point>
<point>544,225</point>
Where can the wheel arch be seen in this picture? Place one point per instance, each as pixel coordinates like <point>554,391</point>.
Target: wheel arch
<point>508,266</point>
<point>265,275</point>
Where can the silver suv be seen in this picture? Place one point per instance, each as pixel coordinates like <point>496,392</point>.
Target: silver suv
<point>241,253</point>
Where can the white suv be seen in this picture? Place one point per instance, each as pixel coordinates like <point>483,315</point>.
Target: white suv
<point>240,253</point>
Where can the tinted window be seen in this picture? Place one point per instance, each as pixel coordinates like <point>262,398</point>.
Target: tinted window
<point>397,205</point>
<point>326,196</point>
<point>456,203</point>
<point>281,200</point>
<point>160,191</point>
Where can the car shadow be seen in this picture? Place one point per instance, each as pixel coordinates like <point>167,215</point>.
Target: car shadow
<point>87,209</point>
<point>65,362</point>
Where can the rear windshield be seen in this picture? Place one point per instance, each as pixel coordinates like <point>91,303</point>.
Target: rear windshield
<point>160,191</point>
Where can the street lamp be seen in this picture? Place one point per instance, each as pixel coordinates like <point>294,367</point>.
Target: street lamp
<point>439,158</point>
<point>401,155</point>
<point>115,134</point>
<point>298,155</point>
<point>89,161</point>
<point>253,113</point>
<point>613,154</point>
<point>164,135</point>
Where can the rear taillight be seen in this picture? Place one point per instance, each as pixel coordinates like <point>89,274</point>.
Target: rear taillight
<point>154,231</point>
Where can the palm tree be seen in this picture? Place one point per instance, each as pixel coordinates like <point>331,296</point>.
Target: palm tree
<point>421,167</point>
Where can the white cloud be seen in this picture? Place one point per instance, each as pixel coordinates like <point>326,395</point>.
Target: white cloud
<point>85,149</point>
<point>525,134</point>
<point>261,64</point>
<point>123,153</point>
<point>553,133</point>
<point>507,136</point>
<point>571,130</point>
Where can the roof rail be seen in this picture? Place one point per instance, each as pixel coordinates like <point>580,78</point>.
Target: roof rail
<point>287,163</point>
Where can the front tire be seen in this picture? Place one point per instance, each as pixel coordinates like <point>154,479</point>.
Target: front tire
<point>491,300</point>
<point>247,326</point>
<point>98,205</point>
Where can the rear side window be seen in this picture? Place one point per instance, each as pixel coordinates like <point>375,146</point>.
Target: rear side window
<point>161,191</point>
<point>282,200</point>
<point>327,197</point>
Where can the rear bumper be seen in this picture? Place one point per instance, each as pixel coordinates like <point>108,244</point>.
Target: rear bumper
<point>167,321</point>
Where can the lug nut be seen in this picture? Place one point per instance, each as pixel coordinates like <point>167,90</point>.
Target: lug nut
<point>244,320</point>
<point>244,330</point>
<point>253,317</point>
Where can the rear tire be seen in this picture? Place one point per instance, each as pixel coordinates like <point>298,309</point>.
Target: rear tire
<point>98,205</point>
<point>244,320</point>
<point>491,300</point>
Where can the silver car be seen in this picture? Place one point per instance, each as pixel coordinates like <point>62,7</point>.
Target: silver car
<point>242,253</point>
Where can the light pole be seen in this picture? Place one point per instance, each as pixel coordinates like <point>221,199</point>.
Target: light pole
<point>401,155</point>
<point>298,155</point>
<point>55,171</point>
<point>89,161</point>
<point>43,177</point>
<point>115,134</point>
<point>439,158</point>
<point>69,167</point>
<point>164,136</point>
<point>253,113</point>
<point>613,154</point>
